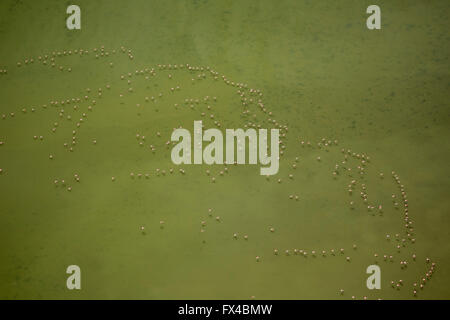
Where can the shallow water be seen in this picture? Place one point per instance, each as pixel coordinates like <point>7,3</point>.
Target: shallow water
<point>322,73</point>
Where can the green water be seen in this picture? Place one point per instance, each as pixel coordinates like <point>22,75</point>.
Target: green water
<point>323,74</point>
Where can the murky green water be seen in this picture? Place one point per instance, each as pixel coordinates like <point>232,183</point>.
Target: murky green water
<point>323,74</point>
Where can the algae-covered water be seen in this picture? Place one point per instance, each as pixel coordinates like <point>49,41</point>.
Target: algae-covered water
<point>86,172</point>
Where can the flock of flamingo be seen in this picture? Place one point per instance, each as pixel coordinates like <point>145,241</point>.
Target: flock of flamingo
<point>75,111</point>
